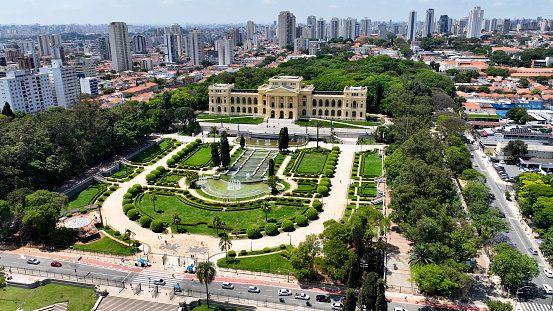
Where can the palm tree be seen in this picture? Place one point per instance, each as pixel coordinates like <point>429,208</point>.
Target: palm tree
<point>175,220</point>
<point>266,208</point>
<point>153,199</point>
<point>420,255</point>
<point>225,243</point>
<point>128,235</point>
<point>217,221</point>
<point>317,124</point>
<point>205,271</point>
<point>213,131</point>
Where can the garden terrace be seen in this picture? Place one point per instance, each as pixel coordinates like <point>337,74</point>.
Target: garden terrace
<point>312,162</point>
<point>365,191</point>
<point>252,164</point>
<point>198,158</point>
<point>125,173</point>
<point>306,187</point>
<point>155,152</point>
<point>367,164</point>
<point>91,194</point>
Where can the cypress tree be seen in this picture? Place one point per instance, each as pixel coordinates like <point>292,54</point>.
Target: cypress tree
<point>215,154</point>
<point>271,169</point>
<point>349,304</point>
<point>381,303</point>
<point>225,150</point>
<point>7,110</point>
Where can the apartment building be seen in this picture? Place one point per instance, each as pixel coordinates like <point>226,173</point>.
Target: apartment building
<point>26,90</point>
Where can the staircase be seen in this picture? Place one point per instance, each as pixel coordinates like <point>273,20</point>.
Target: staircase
<point>55,307</point>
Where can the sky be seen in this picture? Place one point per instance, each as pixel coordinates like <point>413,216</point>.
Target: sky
<point>187,12</point>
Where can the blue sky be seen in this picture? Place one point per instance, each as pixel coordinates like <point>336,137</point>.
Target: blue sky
<point>164,12</point>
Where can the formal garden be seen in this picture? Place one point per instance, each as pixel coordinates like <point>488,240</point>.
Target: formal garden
<point>312,162</point>
<point>95,193</point>
<point>156,152</point>
<point>367,165</point>
<point>125,173</point>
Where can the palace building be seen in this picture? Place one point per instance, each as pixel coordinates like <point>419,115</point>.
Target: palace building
<point>286,97</point>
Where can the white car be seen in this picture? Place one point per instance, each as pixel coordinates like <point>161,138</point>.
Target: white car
<point>548,273</point>
<point>399,309</point>
<point>227,285</point>
<point>33,261</point>
<point>337,306</point>
<point>253,289</point>
<point>302,296</point>
<point>284,292</point>
<point>548,289</point>
<point>159,282</point>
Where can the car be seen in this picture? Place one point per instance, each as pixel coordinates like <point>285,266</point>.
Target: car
<point>159,282</point>
<point>284,292</point>
<point>227,285</point>
<point>253,289</point>
<point>322,298</point>
<point>495,165</point>
<point>33,261</point>
<point>501,162</point>
<point>532,251</point>
<point>492,196</point>
<point>337,306</point>
<point>55,264</point>
<point>548,289</point>
<point>548,273</point>
<point>302,296</point>
<point>475,164</point>
<point>502,214</point>
<point>399,309</point>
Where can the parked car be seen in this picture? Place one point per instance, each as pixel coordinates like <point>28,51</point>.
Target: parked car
<point>55,264</point>
<point>548,289</point>
<point>399,309</point>
<point>491,195</point>
<point>548,273</point>
<point>159,282</point>
<point>532,251</point>
<point>227,285</point>
<point>33,261</point>
<point>284,292</point>
<point>337,306</point>
<point>302,296</point>
<point>322,298</point>
<point>253,289</point>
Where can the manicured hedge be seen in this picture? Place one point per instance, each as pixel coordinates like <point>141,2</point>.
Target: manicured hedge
<point>271,229</point>
<point>253,232</point>
<point>287,225</point>
<point>301,220</point>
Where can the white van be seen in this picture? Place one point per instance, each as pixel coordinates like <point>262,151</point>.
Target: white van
<point>548,289</point>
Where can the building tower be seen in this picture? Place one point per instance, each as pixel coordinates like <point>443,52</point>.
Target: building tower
<point>225,51</point>
<point>349,28</point>
<point>366,27</point>
<point>195,46</point>
<point>43,45</point>
<point>250,30</point>
<point>382,31</point>
<point>443,25</point>
<point>321,29</point>
<point>119,45</point>
<point>428,23</point>
<point>412,26</point>
<point>506,26</point>
<point>474,25</point>
<point>138,44</point>
<point>286,28</point>
<point>312,23</point>
<point>334,28</point>
<point>103,47</point>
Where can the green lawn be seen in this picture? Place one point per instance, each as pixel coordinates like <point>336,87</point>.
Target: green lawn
<point>367,190</point>
<point>312,163</point>
<point>168,205</point>
<point>123,172</point>
<point>82,198</point>
<point>349,124</point>
<point>373,165</point>
<point>79,298</point>
<point>215,308</point>
<point>105,245</point>
<point>171,178</point>
<point>200,157</point>
<point>273,263</point>
<point>146,154</point>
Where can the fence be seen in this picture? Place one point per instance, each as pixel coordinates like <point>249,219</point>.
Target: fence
<point>80,186</point>
<point>281,274</point>
<point>111,170</point>
<point>402,289</point>
<point>132,155</point>
<point>76,277</point>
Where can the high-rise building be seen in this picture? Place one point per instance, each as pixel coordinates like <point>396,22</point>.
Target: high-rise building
<point>234,36</point>
<point>312,24</point>
<point>26,46</point>
<point>334,28</point>
<point>85,68</point>
<point>195,46</point>
<point>412,26</point>
<point>443,24</point>
<point>474,25</point>
<point>26,90</point>
<point>119,45</point>
<point>64,83</point>
<point>225,50</point>
<point>321,29</point>
<point>382,31</point>
<point>103,47</point>
<point>286,28</point>
<point>366,27</point>
<point>506,26</point>
<point>250,30</point>
<point>43,45</point>
<point>349,28</point>
<point>55,39</point>
<point>138,44</point>
<point>428,29</point>
<point>89,85</point>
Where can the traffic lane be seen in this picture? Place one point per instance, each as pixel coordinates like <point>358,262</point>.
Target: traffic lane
<point>19,261</point>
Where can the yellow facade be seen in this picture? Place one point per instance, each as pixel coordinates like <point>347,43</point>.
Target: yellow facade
<point>286,97</point>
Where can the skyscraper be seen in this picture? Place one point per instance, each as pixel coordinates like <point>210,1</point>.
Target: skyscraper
<point>64,83</point>
<point>382,31</point>
<point>412,26</point>
<point>428,23</point>
<point>366,27</point>
<point>286,28</point>
<point>250,30</point>
<point>138,44</point>
<point>312,23</point>
<point>321,29</point>
<point>225,51</point>
<point>474,25</point>
<point>195,46</point>
<point>103,47</point>
<point>506,26</point>
<point>334,28</point>
<point>349,28</point>
<point>443,25</point>
<point>119,45</point>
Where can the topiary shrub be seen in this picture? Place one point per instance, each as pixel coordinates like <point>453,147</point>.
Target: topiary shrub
<point>266,250</point>
<point>137,187</point>
<point>243,252</point>
<point>150,177</point>
<point>287,225</point>
<point>127,201</point>
<point>171,162</point>
<point>282,246</point>
<point>83,210</point>
<point>157,225</point>
<point>329,167</point>
<point>68,215</point>
<point>328,173</point>
<point>317,205</point>
<point>335,148</point>
<point>132,191</point>
<point>156,173</point>
<point>161,169</point>
<point>231,253</point>
<point>117,233</point>
<point>145,221</point>
<point>301,220</point>
<point>253,232</point>
<point>271,229</point>
<point>128,196</point>
<point>133,214</point>
<point>312,213</point>
<point>127,208</point>
<point>324,184</point>
<point>322,190</point>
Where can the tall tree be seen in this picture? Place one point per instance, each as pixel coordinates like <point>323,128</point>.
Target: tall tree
<point>7,110</point>
<point>369,292</point>
<point>225,150</point>
<point>265,208</point>
<point>285,138</point>
<point>303,258</point>
<point>176,220</point>
<point>225,243</point>
<point>512,266</point>
<point>381,302</point>
<point>41,211</point>
<point>349,303</point>
<point>205,271</point>
<point>215,154</point>
<point>517,148</point>
<point>217,221</point>
<point>185,115</point>
<point>271,168</point>
<point>153,198</point>
<point>213,131</point>
<point>242,142</point>
<point>351,278</point>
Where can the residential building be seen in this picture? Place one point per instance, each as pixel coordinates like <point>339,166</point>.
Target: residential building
<point>26,90</point>
<point>286,97</point>
<point>365,27</point>
<point>349,28</point>
<point>321,29</point>
<point>64,83</point>
<point>85,68</point>
<point>103,47</point>
<point>225,50</point>
<point>506,26</point>
<point>474,25</point>
<point>138,44</point>
<point>286,28</point>
<point>334,28</point>
<point>312,24</point>
<point>195,46</point>
<point>382,31</point>
<point>119,45</point>
<point>412,26</point>
<point>428,29</point>
<point>443,24</point>
<point>250,30</point>
<point>43,45</point>
<point>89,85</point>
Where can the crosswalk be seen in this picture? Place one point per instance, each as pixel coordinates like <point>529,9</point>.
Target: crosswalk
<point>149,277</point>
<point>530,306</point>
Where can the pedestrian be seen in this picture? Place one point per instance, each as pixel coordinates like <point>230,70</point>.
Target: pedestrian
<point>171,235</point>
<point>165,242</point>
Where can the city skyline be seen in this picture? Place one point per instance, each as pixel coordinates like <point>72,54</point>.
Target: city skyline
<point>185,12</point>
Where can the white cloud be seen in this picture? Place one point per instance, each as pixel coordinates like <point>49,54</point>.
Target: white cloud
<point>271,2</point>
<point>498,4</point>
<point>333,6</point>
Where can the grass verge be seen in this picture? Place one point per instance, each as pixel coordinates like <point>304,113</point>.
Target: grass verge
<point>79,298</point>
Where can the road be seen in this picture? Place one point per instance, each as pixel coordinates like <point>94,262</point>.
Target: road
<point>534,295</point>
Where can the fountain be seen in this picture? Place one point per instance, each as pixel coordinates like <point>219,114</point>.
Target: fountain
<point>234,185</point>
